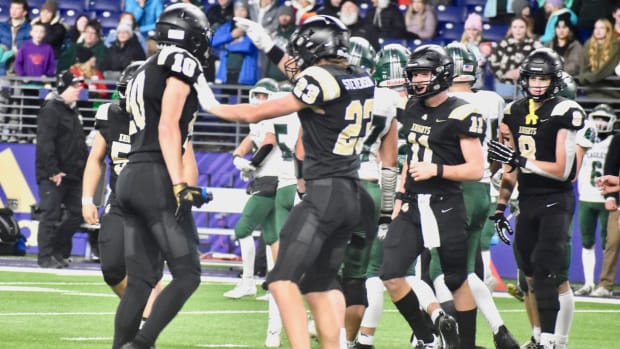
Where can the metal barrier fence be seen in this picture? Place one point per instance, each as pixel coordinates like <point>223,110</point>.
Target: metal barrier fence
<point>21,98</point>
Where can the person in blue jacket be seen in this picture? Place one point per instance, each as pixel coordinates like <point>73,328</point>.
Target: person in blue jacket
<point>238,55</point>
<point>146,13</point>
<point>11,41</point>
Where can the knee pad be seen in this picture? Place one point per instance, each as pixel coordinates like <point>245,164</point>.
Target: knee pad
<point>546,293</point>
<point>354,292</point>
<point>114,274</point>
<point>455,279</point>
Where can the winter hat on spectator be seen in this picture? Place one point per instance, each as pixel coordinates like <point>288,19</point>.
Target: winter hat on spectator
<point>241,3</point>
<point>50,5</point>
<point>285,10</point>
<point>519,5</point>
<point>124,26</point>
<point>66,79</point>
<point>473,21</point>
<point>83,54</point>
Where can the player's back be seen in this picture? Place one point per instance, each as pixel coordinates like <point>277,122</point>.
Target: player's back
<point>113,124</point>
<point>335,124</point>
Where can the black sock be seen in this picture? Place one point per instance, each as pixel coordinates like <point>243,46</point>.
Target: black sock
<point>409,307</point>
<point>467,328</point>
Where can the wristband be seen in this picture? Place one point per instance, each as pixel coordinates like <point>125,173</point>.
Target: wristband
<point>87,200</point>
<point>500,207</point>
<point>439,171</point>
<point>399,196</point>
<point>275,54</point>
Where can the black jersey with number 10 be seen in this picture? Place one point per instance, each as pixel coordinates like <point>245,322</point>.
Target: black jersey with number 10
<point>336,123</point>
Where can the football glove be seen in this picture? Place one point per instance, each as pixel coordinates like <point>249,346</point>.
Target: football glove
<point>188,196</point>
<point>384,223</point>
<point>256,33</point>
<point>505,154</point>
<point>245,168</point>
<point>502,227</point>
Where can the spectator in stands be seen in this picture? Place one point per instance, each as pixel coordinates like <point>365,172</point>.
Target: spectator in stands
<point>13,34</point>
<point>220,13</point>
<point>421,20</point>
<point>553,10</point>
<point>566,45</point>
<point>265,12</point>
<point>36,57</point>
<point>588,12</point>
<point>508,56</point>
<point>238,55</point>
<point>330,8</point>
<point>472,39</point>
<point>55,28</point>
<point>126,17</point>
<point>60,158</point>
<point>75,35</point>
<point>92,41</point>
<point>601,54</point>
<point>616,15</point>
<point>124,50</point>
<point>498,11</point>
<point>281,38</point>
<point>523,9</point>
<point>85,67</point>
<point>305,9</point>
<point>386,19</point>
<point>146,13</point>
<point>350,16</point>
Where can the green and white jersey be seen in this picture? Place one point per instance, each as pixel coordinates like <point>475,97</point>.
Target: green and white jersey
<point>586,137</point>
<point>491,106</point>
<point>270,165</point>
<point>286,130</point>
<point>384,111</point>
<point>592,167</point>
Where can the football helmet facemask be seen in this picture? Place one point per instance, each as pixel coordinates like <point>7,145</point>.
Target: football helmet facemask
<point>603,117</point>
<point>542,62</point>
<point>186,26</point>
<point>434,59</point>
<point>266,86</point>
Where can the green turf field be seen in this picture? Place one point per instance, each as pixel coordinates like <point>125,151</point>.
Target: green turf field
<point>42,310</point>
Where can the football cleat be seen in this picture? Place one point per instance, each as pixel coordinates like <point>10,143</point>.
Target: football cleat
<point>363,346</point>
<point>243,289</point>
<point>601,292</point>
<point>503,339</point>
<point>531,344</point>
<point>448,331</point>
<point>273,339</point>
<point>585,290</point>
<point>515,291</point>
<point>420,344</point>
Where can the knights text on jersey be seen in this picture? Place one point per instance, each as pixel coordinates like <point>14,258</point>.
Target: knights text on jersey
<point>113,125</point>
<point>535,136</point>
<point>433,135</point>
<point>338,116</point>
<point>144,98</point>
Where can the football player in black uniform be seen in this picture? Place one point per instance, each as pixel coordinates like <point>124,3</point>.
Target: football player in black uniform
<point>162,98</point>
<point>537,143</point>
<point>334,102</point>
<point>444,149</point>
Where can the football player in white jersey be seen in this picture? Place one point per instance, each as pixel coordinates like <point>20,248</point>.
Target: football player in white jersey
<point>591,202</point>
<point>262,172</point>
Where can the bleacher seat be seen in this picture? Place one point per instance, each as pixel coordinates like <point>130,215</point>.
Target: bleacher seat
<point>77,6</point>
<point>454,14</point>
<point>473,2</point>
<point>31,3</point>
<point>413,44</point>
<point>99,5</point>
<point>494,32</point>
<point>108,19</point>
<point>449,31</point>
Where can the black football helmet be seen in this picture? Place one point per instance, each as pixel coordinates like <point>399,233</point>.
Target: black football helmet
<point>542,62</point>
<point>318,37</point>
<point>186,26</point>
<point>435,59</point>
<point>126,75</point>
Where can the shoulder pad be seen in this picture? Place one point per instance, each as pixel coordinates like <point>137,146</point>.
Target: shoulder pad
<point>326,82</point>
<point>564,106</point>
<point>461,112</point>
<point>102,112</point>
